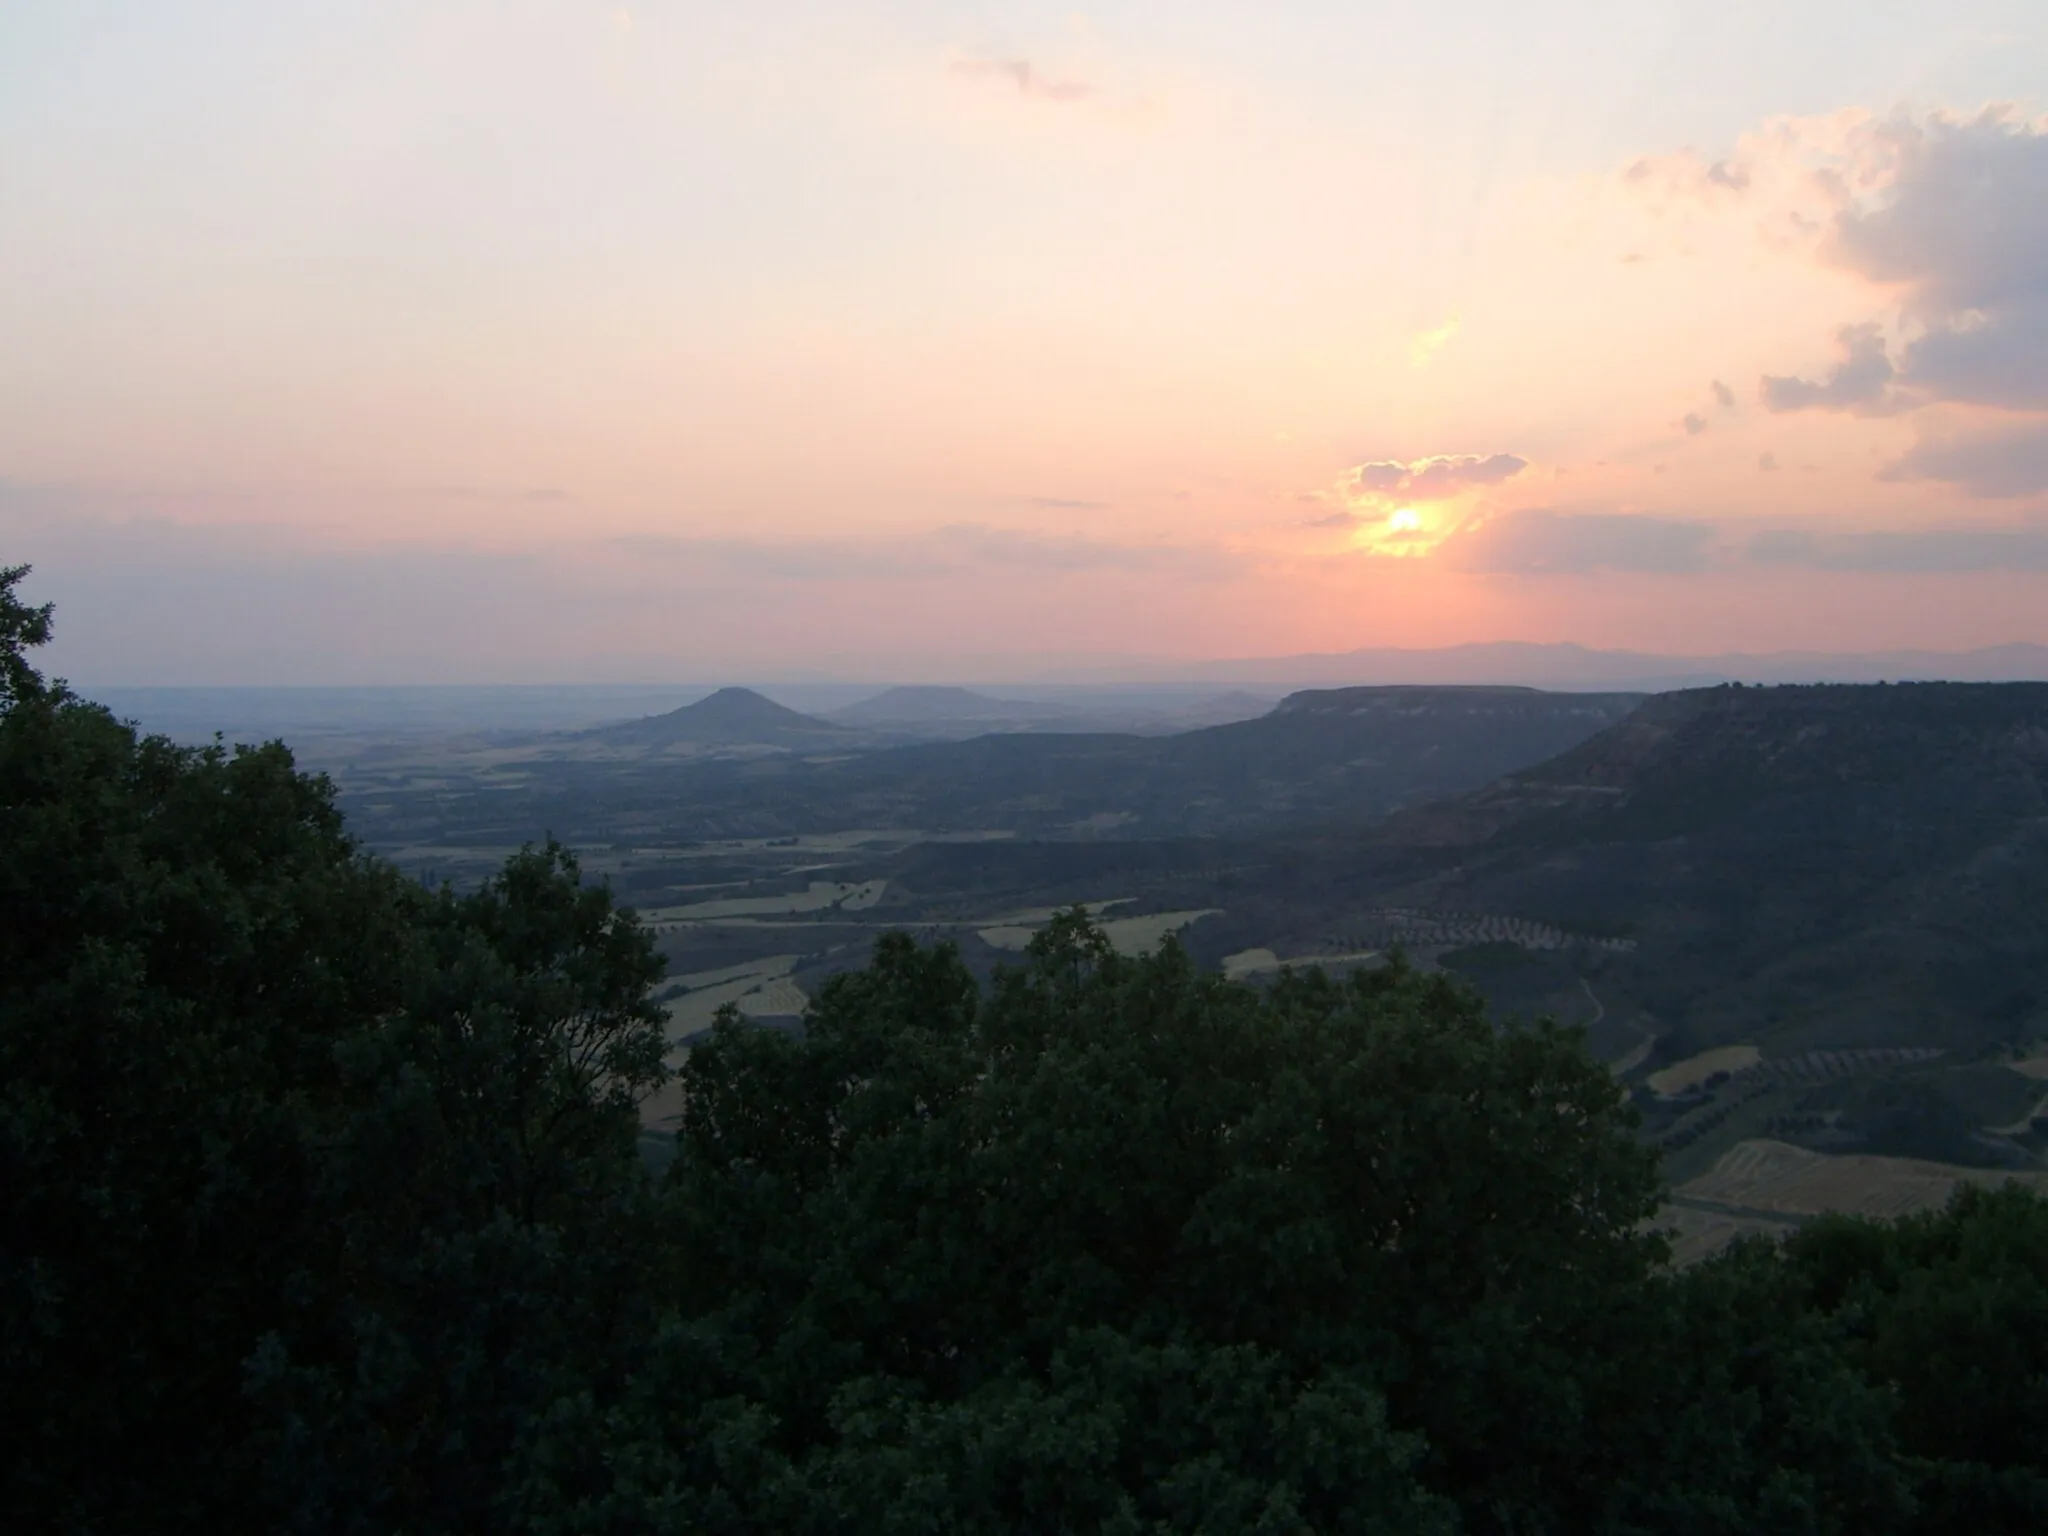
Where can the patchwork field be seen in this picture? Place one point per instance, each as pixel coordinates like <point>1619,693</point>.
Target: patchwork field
<point>758,988</point>
<point>818,896</point>
<point>1036,918</point>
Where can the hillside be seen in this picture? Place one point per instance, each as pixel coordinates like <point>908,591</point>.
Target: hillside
<point>1850,883</point>
<point>1698,758</point>
<point>1349,754</point>
<point>1343,755</point>
<point>1808,915</point>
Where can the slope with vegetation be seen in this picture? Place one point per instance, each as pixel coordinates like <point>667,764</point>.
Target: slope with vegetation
<point>320,1211</point>
<point>1849,883</point>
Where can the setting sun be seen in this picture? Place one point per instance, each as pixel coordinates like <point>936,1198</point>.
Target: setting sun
<point>1665,367</point>
<point>639,638</point>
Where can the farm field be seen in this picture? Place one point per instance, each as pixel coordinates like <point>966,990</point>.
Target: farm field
<point>1037,917</point>
<point>759,989</point>
<point>1695,1070</point>
<point>1698,1232</point>
<point>1761,1187</point>
<point>759,923</point>
<point>1126,935</point>
<point>1247,963</point>
<point>1774,1178</point>
<point>768,965</point>
<point>818,896</point>
<point>776,998</point>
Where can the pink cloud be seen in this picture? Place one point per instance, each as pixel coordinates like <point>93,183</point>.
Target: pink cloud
<point>1432,479</point>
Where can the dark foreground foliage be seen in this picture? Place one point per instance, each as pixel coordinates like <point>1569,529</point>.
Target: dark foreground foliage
<point>320,1210</point>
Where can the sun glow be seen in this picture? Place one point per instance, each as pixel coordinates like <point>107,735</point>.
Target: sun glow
<point>1400,532</point>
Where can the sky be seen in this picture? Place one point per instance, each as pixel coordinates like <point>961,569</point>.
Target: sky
<point>548,341</point>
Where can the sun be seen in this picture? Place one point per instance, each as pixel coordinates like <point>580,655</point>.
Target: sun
<point>1397,532</point>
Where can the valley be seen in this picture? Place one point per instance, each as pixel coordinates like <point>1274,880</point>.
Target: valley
<point>1802,918</point>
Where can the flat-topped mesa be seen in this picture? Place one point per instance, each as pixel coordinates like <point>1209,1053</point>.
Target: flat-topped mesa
<point>1688,759</point>
<point>1458,699</point>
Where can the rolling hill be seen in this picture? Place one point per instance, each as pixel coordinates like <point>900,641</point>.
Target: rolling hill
<point>1844,888</point>
<point>1693,760</point>
<point>1337,757</point>
<point>1342,754</point>
<point>731,717</point>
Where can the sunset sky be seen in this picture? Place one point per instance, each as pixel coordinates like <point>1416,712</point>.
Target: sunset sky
<point>541,340</point>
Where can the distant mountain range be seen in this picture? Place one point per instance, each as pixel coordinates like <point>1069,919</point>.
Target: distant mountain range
<point>1136,695</point>
<point>942,713</point>
<point>1343,754</point>
<point>1568,666</point>
<point>950,706</point>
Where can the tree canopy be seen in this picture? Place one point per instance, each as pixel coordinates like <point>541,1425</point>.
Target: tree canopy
<point>314,1184</point>
<point>321,1210</point>
<point>22,629</point>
